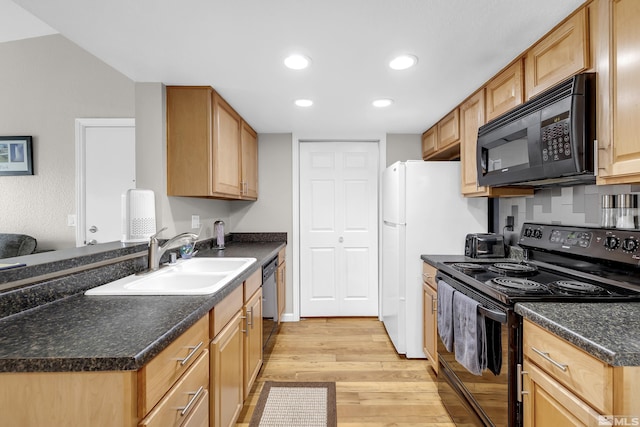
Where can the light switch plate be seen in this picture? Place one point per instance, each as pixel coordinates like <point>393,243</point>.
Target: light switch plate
<point>71,220</point>
<point>195,221</point>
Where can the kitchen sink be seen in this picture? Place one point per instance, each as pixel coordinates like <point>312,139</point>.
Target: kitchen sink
<point>196,276</point>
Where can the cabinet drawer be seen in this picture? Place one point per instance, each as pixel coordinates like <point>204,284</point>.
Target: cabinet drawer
<point>583,374</point>
<point>183,399</point>
<point>225,310</point>
<point>252,284</point>
<point>429,275</point>
<point>157,376</point>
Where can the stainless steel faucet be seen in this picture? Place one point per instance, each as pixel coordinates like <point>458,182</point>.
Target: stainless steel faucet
<point>156,250</point>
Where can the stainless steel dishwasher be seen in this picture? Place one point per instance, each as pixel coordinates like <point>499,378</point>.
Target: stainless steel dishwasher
<point>269,305</point>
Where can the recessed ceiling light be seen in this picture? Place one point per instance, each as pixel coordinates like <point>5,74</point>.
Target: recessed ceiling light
<point>304,102</point>
<point>297,62</point>
<point>381,103</point>
<point>403,62</point>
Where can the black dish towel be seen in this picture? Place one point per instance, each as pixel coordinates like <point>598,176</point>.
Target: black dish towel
<point>494,345</point>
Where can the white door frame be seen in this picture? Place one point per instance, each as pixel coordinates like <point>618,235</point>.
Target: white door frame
<point>81,126</point>
<point>381,140</point>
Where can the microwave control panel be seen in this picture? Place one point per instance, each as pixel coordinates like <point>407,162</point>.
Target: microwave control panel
<point>556,138</point>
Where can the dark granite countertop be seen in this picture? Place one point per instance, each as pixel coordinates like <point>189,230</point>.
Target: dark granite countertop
<point>435,259</point>
<point>100,333</point>
<point>608,331</point>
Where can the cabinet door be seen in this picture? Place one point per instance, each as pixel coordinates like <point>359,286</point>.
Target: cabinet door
<point>547,403</point>
<point>619,89</point>
<point>429,142</point>
<point>430,324</point>
<point>252,340</point>
<point>189,150</point>
<point>561,54</point>
<point>504,91</point>
<point>281,289</point>
<point>226,373</point>
<point>249,184</point>
<point>449,130</point>
<point>226,148</point>
<point>471,118</point>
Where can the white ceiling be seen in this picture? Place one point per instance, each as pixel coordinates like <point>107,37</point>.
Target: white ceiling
<point>237,46</point>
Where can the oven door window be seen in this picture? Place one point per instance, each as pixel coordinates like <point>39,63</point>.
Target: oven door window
<point>508,153</point>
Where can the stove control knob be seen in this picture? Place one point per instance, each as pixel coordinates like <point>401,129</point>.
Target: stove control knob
<point>527,232</point>
<point>611,243</point>
<point>537,233</point>
<point>629,244</point>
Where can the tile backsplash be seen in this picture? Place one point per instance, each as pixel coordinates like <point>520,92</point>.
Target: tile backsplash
<point>577,205</point>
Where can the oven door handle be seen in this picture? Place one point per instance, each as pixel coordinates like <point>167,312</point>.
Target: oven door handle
<point>498,316</point>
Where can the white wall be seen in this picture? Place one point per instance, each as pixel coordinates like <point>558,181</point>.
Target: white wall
<point>272,212</point>
<point>45,84</point>
<point>401,147</point>
<point>151,171</point>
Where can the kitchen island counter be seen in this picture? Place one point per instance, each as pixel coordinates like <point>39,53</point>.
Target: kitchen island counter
<point>608,331</point>
<point>106,333</point>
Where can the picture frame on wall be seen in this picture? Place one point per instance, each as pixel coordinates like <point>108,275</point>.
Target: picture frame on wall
<point>16,155</point>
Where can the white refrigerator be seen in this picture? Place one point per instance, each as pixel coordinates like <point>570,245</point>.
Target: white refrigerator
<point>423,212</point>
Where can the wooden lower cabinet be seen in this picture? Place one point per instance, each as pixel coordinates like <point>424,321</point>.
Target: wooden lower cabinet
<point>226,368</point>
<point>430,315</point>
<point>252,340</point>
<point>548,403</point>
<point>281,283</point>
<point>565,386</point>
<point>177,377</point>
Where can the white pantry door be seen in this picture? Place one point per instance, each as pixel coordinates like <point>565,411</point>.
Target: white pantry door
<point>338,229</point>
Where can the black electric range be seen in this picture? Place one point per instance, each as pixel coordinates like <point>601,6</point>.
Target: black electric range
<point>561,263</point>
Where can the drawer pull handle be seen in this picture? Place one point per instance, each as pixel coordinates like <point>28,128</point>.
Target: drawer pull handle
<point>245,331</point>
<point>548,358</point>
<point>426,277</point>
<point>434,305</point>
<point>250,322</point>
<point>193,351</point>
<point>193,400</point>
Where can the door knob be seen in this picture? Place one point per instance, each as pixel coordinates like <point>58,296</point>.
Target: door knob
<point>93,229</point>
<point>92,242</point>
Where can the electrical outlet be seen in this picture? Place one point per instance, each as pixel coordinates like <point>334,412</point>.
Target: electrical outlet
<point>195,221</point>
<point>509,223</point>
<point>71,220</point>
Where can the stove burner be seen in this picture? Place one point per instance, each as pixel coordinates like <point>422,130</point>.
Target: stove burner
<point>513,268</point>
<point>577,288</point>
<point>517,283</point>
<point>468,266</point>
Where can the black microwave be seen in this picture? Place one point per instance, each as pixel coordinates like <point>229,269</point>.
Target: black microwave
<point>549,140</point>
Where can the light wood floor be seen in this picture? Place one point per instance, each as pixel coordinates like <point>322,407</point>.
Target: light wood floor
<point>375,386</point>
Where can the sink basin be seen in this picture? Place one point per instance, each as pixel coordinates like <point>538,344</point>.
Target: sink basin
<point>196,276</point>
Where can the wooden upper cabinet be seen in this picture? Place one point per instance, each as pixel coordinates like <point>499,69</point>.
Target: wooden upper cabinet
<point>442,141</point>
<point>206,140</point>
<point>449,130</point>
<point>429,142</point>
<point>249,175</point>
<point>189,143</point>
<point>561,54</point>
<point>226,148</point>
<point>618,85</point>
<point>472,116</point>
<point>505,90</point>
